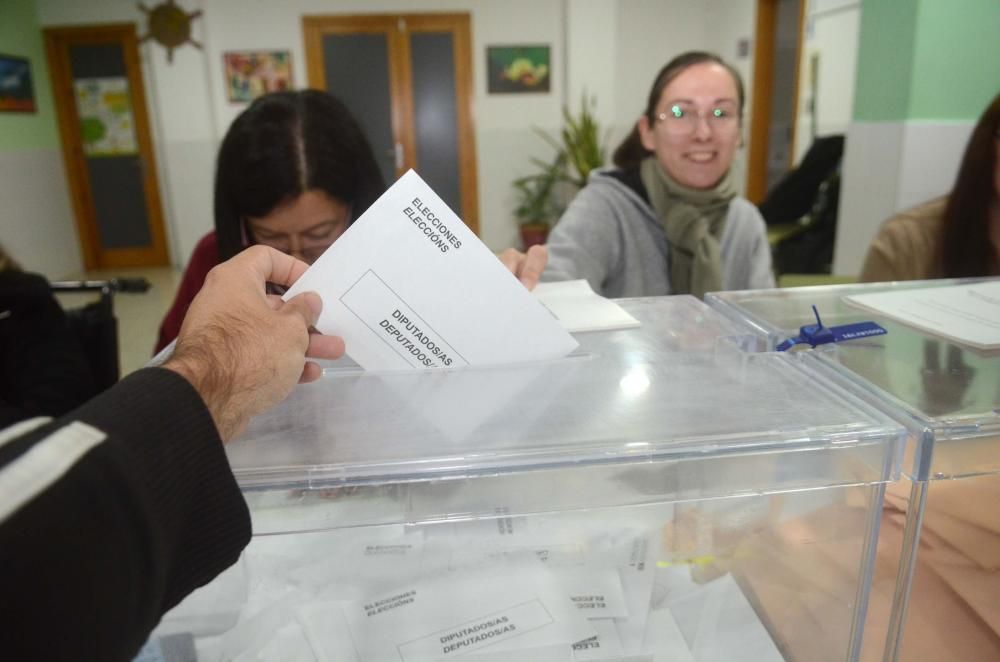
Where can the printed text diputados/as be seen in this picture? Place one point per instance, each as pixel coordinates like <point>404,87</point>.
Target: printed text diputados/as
<point>418,344</point>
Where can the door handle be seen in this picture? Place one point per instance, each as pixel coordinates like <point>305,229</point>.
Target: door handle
<point>398,147</point>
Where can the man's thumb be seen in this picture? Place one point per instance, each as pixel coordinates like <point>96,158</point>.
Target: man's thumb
<point>308,304</point>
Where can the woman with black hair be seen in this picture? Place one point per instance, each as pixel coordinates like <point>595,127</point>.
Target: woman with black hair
<point>293,172</point>
<point>954,236</point>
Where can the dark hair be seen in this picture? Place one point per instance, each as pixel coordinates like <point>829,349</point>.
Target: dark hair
<point>965,246</point>
<point>631,151</point>
<point>283,145</point>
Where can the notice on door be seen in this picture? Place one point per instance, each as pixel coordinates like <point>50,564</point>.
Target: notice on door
<point>409,286</point>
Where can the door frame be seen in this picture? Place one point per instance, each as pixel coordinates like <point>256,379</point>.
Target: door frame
<point>763,87</point>
<point>57,43</point>
<point>396,27</point>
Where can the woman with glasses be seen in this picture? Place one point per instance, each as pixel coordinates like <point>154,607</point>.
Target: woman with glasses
<point>957,235</point>
<point>293,172</point>
<point>667,219</point>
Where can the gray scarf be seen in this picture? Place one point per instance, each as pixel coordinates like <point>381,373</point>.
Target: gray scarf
<point>693,220</point>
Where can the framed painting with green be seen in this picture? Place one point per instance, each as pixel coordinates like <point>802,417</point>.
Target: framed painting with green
<point>513,69</point>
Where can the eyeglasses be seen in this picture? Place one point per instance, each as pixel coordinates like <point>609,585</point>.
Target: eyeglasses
<point>307,245</point>
<point>682,119</point>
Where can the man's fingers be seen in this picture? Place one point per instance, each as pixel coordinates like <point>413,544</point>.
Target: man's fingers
<point>533,266</point>
<point>310,373</point>
<point>308,305</point>
<point>511,258</point>
<point>325,347</point>
<point>271,265</point>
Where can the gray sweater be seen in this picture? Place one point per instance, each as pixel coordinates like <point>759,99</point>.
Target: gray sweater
<point>613,238</point>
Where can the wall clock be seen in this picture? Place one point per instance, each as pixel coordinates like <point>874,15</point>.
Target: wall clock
<point>169,26</point>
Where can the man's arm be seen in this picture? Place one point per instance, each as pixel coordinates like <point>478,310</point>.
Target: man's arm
<point>110,515</point>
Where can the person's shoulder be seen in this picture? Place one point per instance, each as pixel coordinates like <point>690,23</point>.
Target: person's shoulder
<point>24,283</point>
<point>745,217</point>
<point>929,212</point>
<point>208,245</point>
<point>205,254</point>
<point>924,218</point>
<point>740,206</point>
<point>608,184</point>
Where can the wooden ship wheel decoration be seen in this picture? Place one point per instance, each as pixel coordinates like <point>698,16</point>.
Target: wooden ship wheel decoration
<point>169,26</point>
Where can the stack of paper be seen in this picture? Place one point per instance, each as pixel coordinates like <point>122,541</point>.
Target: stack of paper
<point>966,314</point>
<point>572,587</point>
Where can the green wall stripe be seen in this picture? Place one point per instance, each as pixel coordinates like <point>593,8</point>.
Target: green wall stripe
<point>21,35</point>
<point>956,65</point>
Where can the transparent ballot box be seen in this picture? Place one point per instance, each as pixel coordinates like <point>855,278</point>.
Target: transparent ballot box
<point>938,566</point>
<point>660,494</point>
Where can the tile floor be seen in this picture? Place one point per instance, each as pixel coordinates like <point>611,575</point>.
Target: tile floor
<point>139,315</point>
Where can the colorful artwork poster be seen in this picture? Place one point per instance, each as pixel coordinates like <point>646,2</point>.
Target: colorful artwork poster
<point>518,69</point>
<point>249,74</point>
<point>17,94</point>
<point>105,111</point>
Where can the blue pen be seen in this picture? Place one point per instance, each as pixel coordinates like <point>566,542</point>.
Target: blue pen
<point>817,334</point>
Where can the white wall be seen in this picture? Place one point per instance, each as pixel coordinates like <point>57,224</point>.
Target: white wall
<point>831,35</point>
<point>733,21</point>
<point>612,48</point>
<point>889,167</point>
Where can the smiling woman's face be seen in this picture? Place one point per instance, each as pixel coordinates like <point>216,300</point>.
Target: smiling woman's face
<point>700,156</point>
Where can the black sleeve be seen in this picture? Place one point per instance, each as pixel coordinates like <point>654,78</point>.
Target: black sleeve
<point>90,563</point>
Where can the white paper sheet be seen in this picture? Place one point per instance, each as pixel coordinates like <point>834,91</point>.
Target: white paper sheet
<point>580,309</point>
<point>596,591</point>
<point>966,314</point>
<point>605,645</point>
<point>505,608</point>
<point>715,619</point>
<point>326,628</point>
<point>664,640</point>
<point>408,285</point>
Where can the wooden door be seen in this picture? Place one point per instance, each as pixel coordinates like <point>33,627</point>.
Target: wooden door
<point>110,165</point>
<point>408,80</point>
<point>772,57</point>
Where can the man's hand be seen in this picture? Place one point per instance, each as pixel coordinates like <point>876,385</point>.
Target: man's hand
<point>244,350</point>
<point>527,267</point>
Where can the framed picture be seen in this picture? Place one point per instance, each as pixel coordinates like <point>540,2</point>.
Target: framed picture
<point>17,94</point>
<point>250,74</point>
<point>518,69</point>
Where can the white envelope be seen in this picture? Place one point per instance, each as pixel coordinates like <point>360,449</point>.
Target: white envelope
<point>408,286</point>
<point>596,591</point>
<point>509,607</point>
<point>604,646</point>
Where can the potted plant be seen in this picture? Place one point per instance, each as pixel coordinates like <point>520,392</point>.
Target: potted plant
<point>580,142</point>
<point>542,195</point>
<point>536,204</point>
